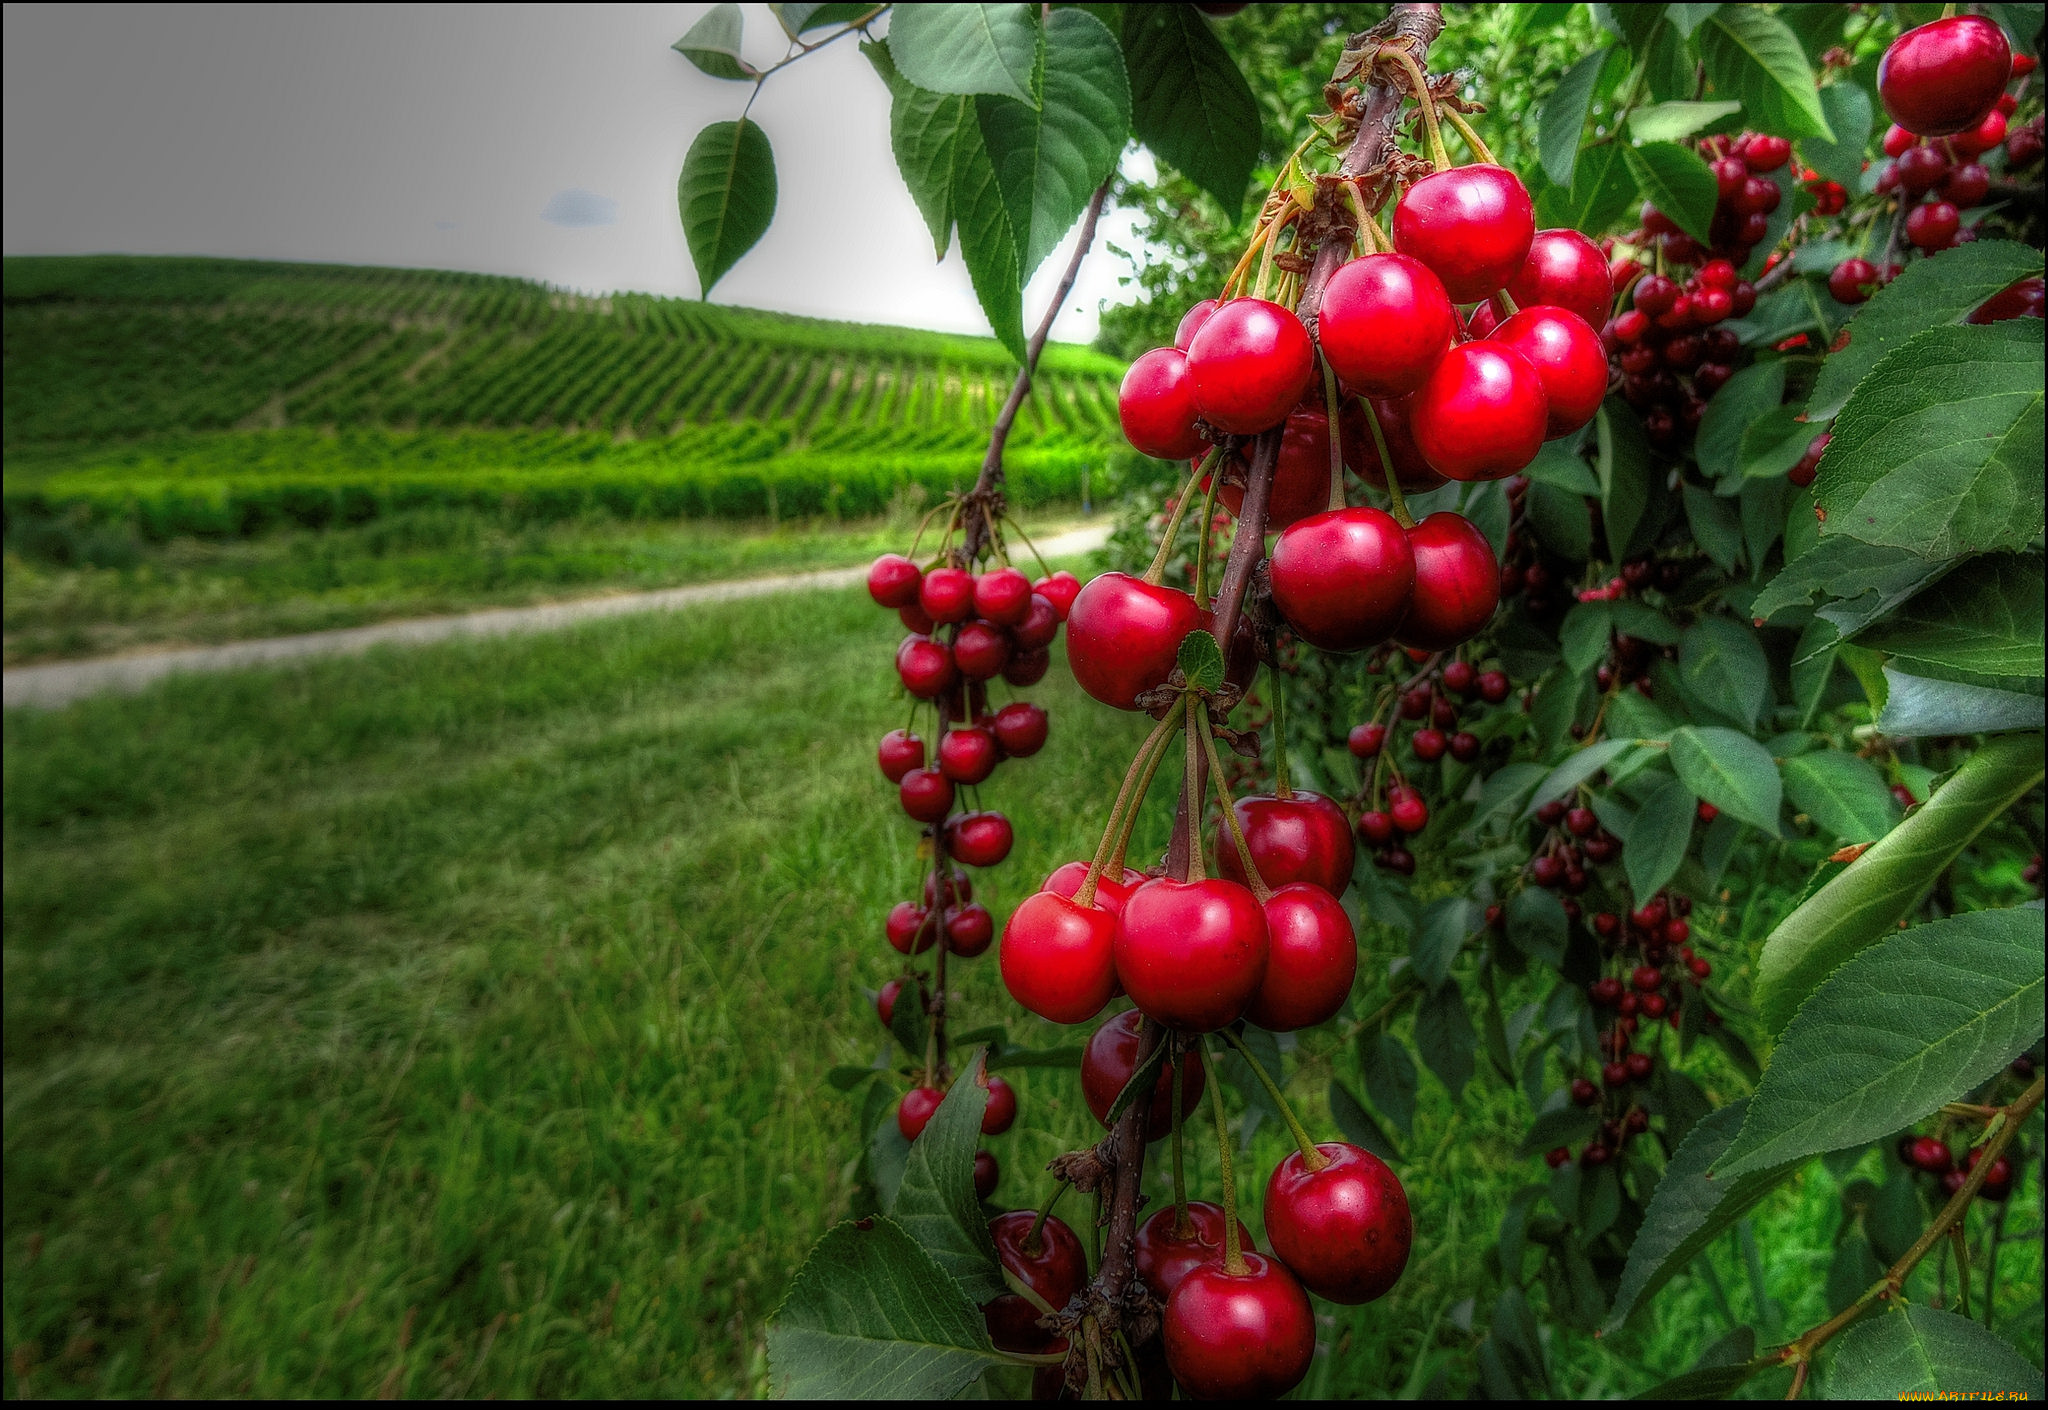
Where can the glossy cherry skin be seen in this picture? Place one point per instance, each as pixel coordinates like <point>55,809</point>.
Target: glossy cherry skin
<point>1124,635</point>
<point>1020,727</point>
<point>893,581</point>
<point>1457,583</point>
<point>980,839</point>
<point>1056,957</point>
<point>1037,627</point>
<point>1156,405</point>
<point>1191,323</point>
<point>1303,837</point>
<point>1411,471</point>
<point>1301,477</point>
<point>1311,959</point>
<point>925,667</point>
<point>1568,358</point>
<point>1250,361</point>
<point>899,753</point>
<point>1191,954</point>
<point>1028,667</point>
<point>1163,1258</point>
<point>1943,77</point>
<point>926,794</point>
<point>1055,1270</point>
<point>1110,892</point>
<point>914,1112</point>
<point>1482,415</point>
<point>970,930</point>
<point>1001,1110</point>
<point>910,928</point>
<point>980,650</point>
<point>986,1174</point>
<point>914,619</point>
<point>967,755</point>
<point>1472,226</point>
<point>1248,1336</point>
<point>947,594</point>
<point>2021,299</point>
<point>1933,226</point>
<point>1345,1229</point>
<point>1565,270</point>
<point>1003,596</point>
<point>1112,1056</point>
<point>1853,281</point>
<point>1384,322</point>
<point>1342,578</point>
<point>1060,589</point>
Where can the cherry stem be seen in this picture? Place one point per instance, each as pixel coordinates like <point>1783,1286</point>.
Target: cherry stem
<point>1505,305</point>
<point>1156,574</point>
<point>1332,407</point>
<point>1281,221</point>
<point>1479,148</point>
<point>1311,1157</point>
<point>1202,535</point>
<point>1031,1244</point>
<point>1116,856</point>
<point>1379,441</point>
<point>1439,155</point>
<point>1233,1254</point>
<point>1029,544</point>
<point>1110,849</point>
<point>1182,1225</point>
<point>1283,785</point>
<point>1197,869</point>
<point>1244,851</point>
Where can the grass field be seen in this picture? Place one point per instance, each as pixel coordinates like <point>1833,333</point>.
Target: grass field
<point>454,1022</point>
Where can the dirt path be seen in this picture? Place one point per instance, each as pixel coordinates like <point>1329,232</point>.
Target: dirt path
<point>62,682</point>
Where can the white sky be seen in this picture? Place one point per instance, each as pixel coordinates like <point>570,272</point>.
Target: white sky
<point>439,135</point>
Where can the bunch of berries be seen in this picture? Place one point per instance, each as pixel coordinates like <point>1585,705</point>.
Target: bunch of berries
<point>1428,706</point>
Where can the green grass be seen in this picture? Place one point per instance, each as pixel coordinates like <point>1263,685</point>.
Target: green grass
<point>454,1021</point>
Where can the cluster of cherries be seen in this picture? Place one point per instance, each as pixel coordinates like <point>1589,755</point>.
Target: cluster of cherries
<point>1930,1155</point>
<point>1391,809</point>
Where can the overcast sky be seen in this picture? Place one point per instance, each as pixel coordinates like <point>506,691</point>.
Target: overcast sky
<point>540,141</point>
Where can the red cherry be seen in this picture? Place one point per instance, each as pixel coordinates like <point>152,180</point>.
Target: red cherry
<point>1921,170</point>
<point>1156,406</point>
<point>909,930</point>
<point>1933,225</point>
<point>947,594</point>
<point>979,839</point>
<point>885,1001</point>
<point>914,1112</point>
<point>1482,414</point>
<point>1428,744</point>
<point>1997,1184</point>
<point>1584,1093</point>
<point>1344,1230</point>
<point>925,667</point>
<point>969,930</point>
<point>1932,1154</point>
<point>1304,837</point>
<point>1039,625</point>
<point>1564,270</point>
<point>1239,1336</point>
<point>1566,353</point>
<point>1191,323</point>
<point>1966,186</point>
<point>2020,299</point>
<point>1384,322</point>
<point>1001,1110</point>
<point>1852,281</point>
<point>1110,893</point>
<point>1191,954</point>
<point>1647,978</point>
<point>980,650</point>
<point>1003,596</point>
<point>1897,141</point>
<point>1471,225</point>
<point>1020,727</point>
<point>1056,957</point>
<point>1250,363</point>
<point>1765,153</point>
<point>1366,741</point>
<point>1606,992</point>
<point>1027,667</point>
<point>953,882</point>
<point>966,755</point>
<point>1557,1157</point>
<point>1311,958</point>
<point>1639,1066</point>
<point>1655,295</point>
<point>1375,826</point>
<point>1060,589</point>
<point>1124,635</point>
<point>1493,686</point>
<point>1112,1056</point>
<point>1411,471</point>
<point>1580,822</point>
<point>915,619</point>
<point>926,794</point>
<point>1457,585</point>
<point>899,753</point>
<point>1759,197</point>
<point>1163,1257</point>
<point>1301,478</point>
<point>1943,77</point>
<point>1465,746</point>
<point>986,1174</point>
<point>893,581</point>
<point>1409,812</point>
<point>1342,578</point>
<point>1054,1267</point>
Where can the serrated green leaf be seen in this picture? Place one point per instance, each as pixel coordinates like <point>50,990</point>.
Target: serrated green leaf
<point>1445,1038</point>
<point>968,48</point>
<point>1563,117</point>
<point>1560,520</point>
<point>1689,1210</point>
<point>1688,18</point>
<point>1667,122</point>
<point>1915,707</point>
<point>1575,770</point>
<point>1566,1126</point>
<point>936,1203</point>
<point>1880,578</point>
<point>1926,1353</point>
<point>988,242</point>
<point>798,19</point>
<point>1584,636</point>
<point>1753,57</point>
<point>1748,395</point>
<point>1189,102</point>
<point>1774,442</point>
<point>1639,619</point>
<point>1871,894</point>
<point>1930,293</point>
<point>1445,927</point>
<point>1915,1021</point>
<point>1602,189</point>
<point>1659,837</point>
<point>1842,792</point>
<point>1731,771</point>
<point>871,1316</point>
<point>1714,526</point>
<point>1848,112</point>
<point>1537,925</point>
<point>713,45</point>
<point>1623,465</point>
<point>726,194</point>
<point>1981,625</point>
<point>1505,791</point>
<point>1357,1126</point>
<point>1390,1079</point>
<point>1722,668</point>
<point>1201,660</point>
<point>924,135</point>
<point>1634,23</point>
<point>1674,180</point>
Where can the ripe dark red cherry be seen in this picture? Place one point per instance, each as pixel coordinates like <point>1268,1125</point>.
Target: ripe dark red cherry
<point>914,1112</point>
<point>981,650</point>
<point>966,755</point>
<point>1001,1110</point>
<point>1457,584</point>
<point>1342,579</point>
<point>1943,77</point>
<point>1311,958</point>
<point>1156,405</point>
<point>1932,1154</point>
<point>1250,363</point>
<point>1028,667</point>
<point>1465,746</point>
<point>1020,727</point>
<point>1124,635</point>
<point>1367,740</point>
<point>986,1174</point>
<point>1411,471</point>
<point>1163,1257</point>
<point>1110,893</point>
<point>915,620</point>
<point>1239,1336</point>
<point>1191,954</point>
<point>1191,323</point>
<point>1852,281</point>
<point>909,930</point>
<point>1983,137</point>
<point>1765,153</point>
<point>1429,744</point>
<point>1406,808</point>
<point>885,1001</point>
<point>1106,1067</point>
<point>946,594</point>
<point>969,930</point>
<point>925,667</point>
<point>1056,957</point>
<point>1566,353</point>
<point>980,839</point>
<point>1639,1066</point>
<point>1003,596</point>
<point>899,753</point>
<point>926,794</point>
<point>1054,1268</point>
<point>1966,186</point>
<point>1933,226</point>
<point>1060,589</point>
<point>1039,625</point>
<point>1921,170</point>
<point>1472,226</point>
<point>1345,1229</point>
<point>1482,415</point>
<point>1301,477</point>
<point>2021,299</point>
<point>1304,837</point>
<point>949,887</point>
<point>1566,270</point>
<point>893,580</point>
<point>1384,322</point>
<point>1493,686</point>
<point>1375,826</point>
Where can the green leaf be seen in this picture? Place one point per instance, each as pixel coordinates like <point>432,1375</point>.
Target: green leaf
<point>1881,578</point>
<point>1753,57</point>
<point>1069,1056</point>
<point>869,1316</point>
<point>1731,771</point>
<point>1982,625</point>
<point>727,196</point>
<point>1357,1126</point>
<point>1537,925</point>
<point>1189,103</point>
<point>1657,841</point>
<point>713,44</point>
<point>1050,159</point>
<point>1709,1382</point>
<point>968,48</point>
<point>1561,521</point>
<point>1674,180</point>
<point>1915,1021</point>
<point>1504,793</point>
<point>1868,898</point>
<point>1931,293</point>
<point>1201,661</point>
<point>1634,23</point>
<point>1575,770</point>
<point>1687,18</point>
<point>988,242</point>
<point>1689,1210</point>
<point>1640,619</point>
<point>1445,1038</point>
<point>1842,792</point>
<point>887,1153</point>
<point>1915,707</point>
<point>1584,636</point>
<point>1749,394</point>
<point>1562,463</point>
<point>1667,122</point>
<point>1565,1126</point>
<point>924,135</point>
<point>1721,667</point>
<point>803,18</point>
<point>1446,925</point>
<point>1926,1353</point>
<point>1624,468</point>
<point>1940,449</point>
<point>1714,527</point>
<point>1602,189</point>
<point>1390,1079</point>
<point>1563,117</point>
<point>1774,442</point>
<point>1848,112</point>
<point>936,1204</point>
